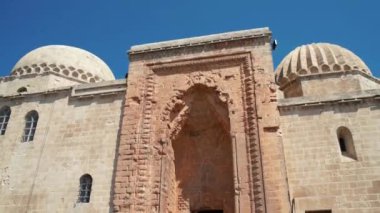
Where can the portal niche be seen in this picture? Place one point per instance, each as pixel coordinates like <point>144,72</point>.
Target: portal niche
<point>202,165</point>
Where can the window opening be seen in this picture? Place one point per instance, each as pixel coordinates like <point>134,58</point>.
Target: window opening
<point>31,120</point>
<point>22,90</point>
<point>5,114</point>
<point>346,142</point>
<point>85,188</point>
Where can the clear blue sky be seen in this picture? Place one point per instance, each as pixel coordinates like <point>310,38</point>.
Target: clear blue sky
<point>109,28</point>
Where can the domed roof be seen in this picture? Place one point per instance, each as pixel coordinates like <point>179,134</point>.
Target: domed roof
<point>65,60</point>
<point>318,58</point>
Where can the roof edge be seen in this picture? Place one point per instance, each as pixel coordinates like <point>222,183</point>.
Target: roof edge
<point>201,40</point>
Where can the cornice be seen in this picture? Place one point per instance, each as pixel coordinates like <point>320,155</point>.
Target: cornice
<point>201,40</point>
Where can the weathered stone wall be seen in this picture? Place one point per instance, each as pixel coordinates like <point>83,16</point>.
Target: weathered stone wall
<point>239,71</point>
<point>320,177</point>
<point>75,136</point>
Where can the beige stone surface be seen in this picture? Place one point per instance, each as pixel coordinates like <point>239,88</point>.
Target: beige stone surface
<point>319,175</point>
<point>76,134</point>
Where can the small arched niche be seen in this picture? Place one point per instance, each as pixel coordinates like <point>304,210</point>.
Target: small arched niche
<point>346,142</point>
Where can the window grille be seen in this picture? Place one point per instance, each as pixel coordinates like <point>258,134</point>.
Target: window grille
<point>85,188</point>
<point>5,114</point>
<point>31,120</point>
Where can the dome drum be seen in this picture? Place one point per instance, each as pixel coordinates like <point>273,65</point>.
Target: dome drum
<point>60,69</point>
<point>67,61</point>
<point>322,69</point>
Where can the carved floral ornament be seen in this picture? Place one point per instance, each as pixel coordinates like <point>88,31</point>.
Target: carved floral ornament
<point>200,78</point>
<point>176,111</point>
<point>171,125</point>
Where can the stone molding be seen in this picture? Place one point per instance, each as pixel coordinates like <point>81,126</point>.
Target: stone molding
<point>101,88</point>
<point>201,40</point>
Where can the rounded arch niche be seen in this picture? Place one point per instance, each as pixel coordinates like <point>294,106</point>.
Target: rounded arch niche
<point>199,169</point>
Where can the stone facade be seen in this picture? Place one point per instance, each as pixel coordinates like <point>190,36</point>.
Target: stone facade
<point>328,169</point>
<point>76,134</point>
<point>206,125</point>
<point>320,177</point>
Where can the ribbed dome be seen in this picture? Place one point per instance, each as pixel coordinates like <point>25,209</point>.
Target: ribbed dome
<point>318,58</point>
<point>65,60</point>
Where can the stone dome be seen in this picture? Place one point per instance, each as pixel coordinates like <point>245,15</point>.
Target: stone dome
<point>318,58</point>
<point>65,60</point>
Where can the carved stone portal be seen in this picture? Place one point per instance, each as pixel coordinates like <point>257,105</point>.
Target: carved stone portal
<point>190,138</point>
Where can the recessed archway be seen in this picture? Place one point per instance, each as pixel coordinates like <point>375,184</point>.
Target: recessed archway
<point>202,149</point>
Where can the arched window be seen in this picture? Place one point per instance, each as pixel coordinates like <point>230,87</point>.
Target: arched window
<point>85,188</point>
<point>31,120</point>
<point>346,143</point>
<point>5,113</point>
